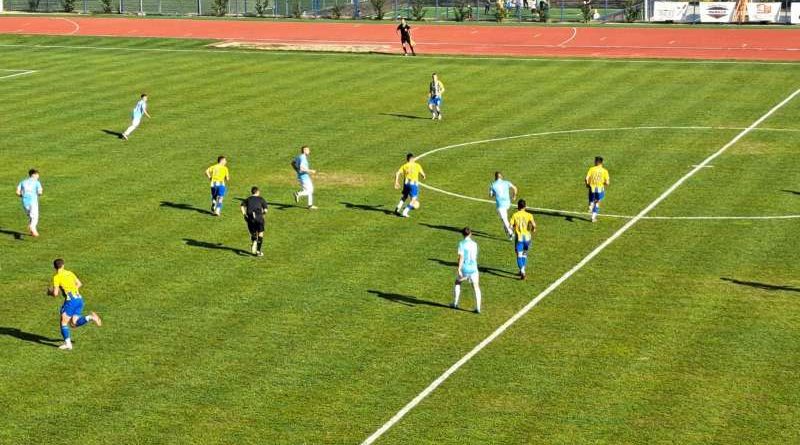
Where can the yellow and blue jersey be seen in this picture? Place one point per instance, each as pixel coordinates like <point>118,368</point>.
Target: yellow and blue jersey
<point>521,222</point>
<point>411,172</point>
<point>68,282</point>
<point>596,178</point>
<point>219,174</point>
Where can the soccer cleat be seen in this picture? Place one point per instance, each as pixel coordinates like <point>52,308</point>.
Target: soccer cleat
<point>522,276</point>
<point>66,347</point>
<point>254,248</point>
<point>296,197</point>
<point>477,311</point>
<point>594,217</point>
<point>453,306</point>
<point>313,207</point>
<point>439,116</point>
<point>259,253</point>
<point>124,137</point>
<point>97,320</point>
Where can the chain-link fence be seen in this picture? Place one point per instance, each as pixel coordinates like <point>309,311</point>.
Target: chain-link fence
<point>415,10</point>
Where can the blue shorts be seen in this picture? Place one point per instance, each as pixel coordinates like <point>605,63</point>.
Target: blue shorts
<point>410,191</point>
<point>72,307</point>
<point>596,195</point>
<point>522,244</point>
<point>218,191</point>
<point>435,101</point>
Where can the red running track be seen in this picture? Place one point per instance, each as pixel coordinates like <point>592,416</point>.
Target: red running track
<point>532,41</point>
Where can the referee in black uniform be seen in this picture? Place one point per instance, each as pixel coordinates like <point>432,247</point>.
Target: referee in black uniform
<point>254,208</point>
<point>404,30</point>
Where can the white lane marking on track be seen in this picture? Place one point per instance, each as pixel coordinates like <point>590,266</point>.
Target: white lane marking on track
<point>75,30</point>
<point>436,57</point>
<point>17,73</point>
<point>574,33</point>
<point>605,215</point>
<point>553,286</point>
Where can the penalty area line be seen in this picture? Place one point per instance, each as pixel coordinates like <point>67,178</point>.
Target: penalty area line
<point>553,286</point>
<point>16,73</point>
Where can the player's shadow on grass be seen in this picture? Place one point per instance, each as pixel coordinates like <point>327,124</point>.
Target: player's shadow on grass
<point>794,192</point>
<point>113,133</point>
<point>762,286</point>
<point>567,216</point>
<point>407,300</point>
<point>14,233</point>
<point>181,206</point>
<point>403,116</point>
<point>476,233</point>
<point>29,337</point>
<point>368,208</point>
<point>215,246</point>
<point>482,269</point>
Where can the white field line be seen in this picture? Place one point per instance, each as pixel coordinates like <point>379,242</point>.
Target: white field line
<point>434,57</point>
<point>574,33</point>
<point>553,286</point>
<point>17,73</point>
<point>606,215</point>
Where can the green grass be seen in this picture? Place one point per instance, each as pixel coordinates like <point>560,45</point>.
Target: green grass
<point>666,337</point>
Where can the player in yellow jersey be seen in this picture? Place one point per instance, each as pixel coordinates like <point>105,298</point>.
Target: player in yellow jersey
<point>411,172</point>
<point>66,283</point>
<point>219,176</point>
<point>596,181</point>
<point>524,227</point>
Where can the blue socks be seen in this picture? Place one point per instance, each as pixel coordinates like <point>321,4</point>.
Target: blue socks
<point>65,332</point>
<point>82,321</point>
<point>522,261</point>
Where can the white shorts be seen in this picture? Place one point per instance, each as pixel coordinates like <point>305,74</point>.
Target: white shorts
<point>306,185</point>
<point>472,278</point>
<point>136,121</point>
<point>32,211</point>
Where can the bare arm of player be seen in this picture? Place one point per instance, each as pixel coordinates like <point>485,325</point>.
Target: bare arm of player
<point>532,225</point>
<point>397,180</point>
<point>513,193</point>
<point>460,263</point>
<point>208,173</point>
<point>78,283</point>
<point>422,173</point>
<point>19,191</point>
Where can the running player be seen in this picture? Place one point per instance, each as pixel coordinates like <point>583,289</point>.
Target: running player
<point>404,30</point>
<point>136,116</point>
<point>29,190</point>
<point>435,97</point>
<point>504,192</point>
<point>219,176</point>
<point>467,269</point>
<point>524,228</point>
<point>66,283</point>
<point>254,208</point>
<point>304,172</point>
<point>411,171</point>
<point>596,181</point>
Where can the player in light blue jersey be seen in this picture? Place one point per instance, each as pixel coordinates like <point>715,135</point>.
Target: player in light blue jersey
<point>139,111</point>
<point>29,190</point>
<point>467,269</point>
<point>304,172</point>
<point>504,193</point>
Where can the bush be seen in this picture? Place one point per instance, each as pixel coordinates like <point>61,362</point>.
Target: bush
<point>586,11</point>
<point>219,8</point>
<point>297,12</point>
<point>461,10</point>
<point>106,5</point>
<point>631,10</point>
<point>379,11</point>
<point>336,11</point>
<point>418,10</point>
<point>544,11</point>
<point>261,7</point>
<point>69,5</point>
<point>500,12</point>
<point>33,5</point>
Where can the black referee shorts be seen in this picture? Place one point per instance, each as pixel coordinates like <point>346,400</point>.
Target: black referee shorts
<point>255,226</point>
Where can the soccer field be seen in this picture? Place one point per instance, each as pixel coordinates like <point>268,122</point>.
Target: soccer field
<point>683,330</point>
